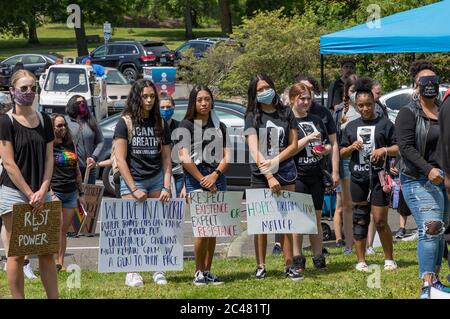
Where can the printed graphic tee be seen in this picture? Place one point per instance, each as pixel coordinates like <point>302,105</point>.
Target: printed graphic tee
<point>374,134</point>
<point>144,157</point>
<point>64,179</point>
<point>308,164</point>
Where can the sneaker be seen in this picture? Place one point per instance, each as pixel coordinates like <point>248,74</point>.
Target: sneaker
<point>425,292</point>
<point>401,232</point>
<point>348,251</point>
<point>319,262</point>
<point>260,273</point>
<point>159,278</point>
<point>340,243</point>
<point>390,265</point>
<point>440,286</point>
<point>299,263</point>
<point>199,279</point>
<point>276,249</point>
<point>370,251</point>
<point>362,266</point>
<point>414,236</point>
<point>293,274</point>
<point>133,279</point>
<point>211,278</point>
<point>28,271</point>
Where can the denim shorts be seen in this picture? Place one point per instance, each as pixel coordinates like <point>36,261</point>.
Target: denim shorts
<point>344,171</point>
<point>194,185</point>
<point>148,185</point>
<point>68,200</point>
<point>10,196</point>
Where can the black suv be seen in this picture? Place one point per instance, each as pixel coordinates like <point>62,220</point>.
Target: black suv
<point>130,56</point>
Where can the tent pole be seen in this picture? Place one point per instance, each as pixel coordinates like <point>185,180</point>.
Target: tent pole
<point>322,79</point>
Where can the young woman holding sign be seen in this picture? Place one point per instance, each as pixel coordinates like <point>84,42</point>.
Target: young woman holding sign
<point>143,159</point>
<point>313,145</point>
<point>204,170</point>
<point>66,181</point>
<point>271,133</point>
<point>367,141</point>
<point>26,148</point>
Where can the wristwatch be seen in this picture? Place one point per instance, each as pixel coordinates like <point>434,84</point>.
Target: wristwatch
<point>218,172</point>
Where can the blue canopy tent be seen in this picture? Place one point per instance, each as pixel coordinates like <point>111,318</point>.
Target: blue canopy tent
<point>424,29</point>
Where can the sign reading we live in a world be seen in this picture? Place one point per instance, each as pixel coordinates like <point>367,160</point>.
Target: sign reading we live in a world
<point>35,233</point>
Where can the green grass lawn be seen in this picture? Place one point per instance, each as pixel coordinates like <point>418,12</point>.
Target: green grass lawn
<point>340,281</point>
<point>60,39</point>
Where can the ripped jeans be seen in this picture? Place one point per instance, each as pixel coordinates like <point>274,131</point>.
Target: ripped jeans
<point>429,206</point>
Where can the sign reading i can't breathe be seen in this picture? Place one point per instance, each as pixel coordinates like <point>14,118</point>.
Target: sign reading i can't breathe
<point>288,212</point>
<point>138,237</point>
<point>216,214</point>
<point>35,233</point>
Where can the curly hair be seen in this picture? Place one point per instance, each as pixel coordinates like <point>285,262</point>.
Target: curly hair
<point>134,105</point>
<point>363,85</point>
<point>418,66</point>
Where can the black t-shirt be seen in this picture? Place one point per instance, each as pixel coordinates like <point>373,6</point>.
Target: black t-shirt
<point>144,152</point>
<point>30,148</point>
<point>210,154</point>
<point>374,134</point>
<point>307,163</point>
<point>444,117</point>
<point>64,179</point>
<point>273,133</point>
<point>325,115</point>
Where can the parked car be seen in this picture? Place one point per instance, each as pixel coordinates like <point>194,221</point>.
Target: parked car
<point>231,114</point>
<point>117,90</point>
<point>397,99</point>
<point>129,57</point>
<point>199,45</point>
<point>34,62</point>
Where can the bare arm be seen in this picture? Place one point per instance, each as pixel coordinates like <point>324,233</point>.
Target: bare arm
<point>167,165</point>
<point>253,143</point>
<point>121,157</point>
<point>188,165</point>
<point>292,148</point>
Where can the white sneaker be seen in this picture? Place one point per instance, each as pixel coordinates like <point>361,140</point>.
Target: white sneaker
<point>414,236</point>
<point>370,251</point>
<point>159,278</point>
<point>362,266</point>
<point>134,280</point>
<point>28,271</point>
<point>390,265</point>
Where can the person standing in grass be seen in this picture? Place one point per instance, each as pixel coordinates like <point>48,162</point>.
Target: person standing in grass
<point>204,167</point>
<point>143,159</point>
<point>271,135</point>
<point>367,141</point>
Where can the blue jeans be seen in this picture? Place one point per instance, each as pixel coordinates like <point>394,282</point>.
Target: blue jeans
<point>427,202</point>
<point>148,185</point>
<point>192,184</point>
<point>179,183</point>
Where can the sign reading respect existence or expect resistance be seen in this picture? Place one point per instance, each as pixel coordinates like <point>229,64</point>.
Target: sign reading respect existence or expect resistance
<point>288,212</point>
<point>35,233</point>
<point>216,214</point>
<point>144,236</point>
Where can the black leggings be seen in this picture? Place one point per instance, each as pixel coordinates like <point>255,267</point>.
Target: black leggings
<point>312,185</point>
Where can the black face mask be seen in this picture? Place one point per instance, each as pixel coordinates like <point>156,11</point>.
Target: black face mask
<point>429,86</point>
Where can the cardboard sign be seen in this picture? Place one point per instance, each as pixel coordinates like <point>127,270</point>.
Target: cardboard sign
<point>216,214</point>
<point>288,212</point>
<point>35,233</point>
<point>93,196</point>
<point>138,237</point>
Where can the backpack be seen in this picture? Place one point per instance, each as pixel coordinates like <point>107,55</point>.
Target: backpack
<point>129,124</point>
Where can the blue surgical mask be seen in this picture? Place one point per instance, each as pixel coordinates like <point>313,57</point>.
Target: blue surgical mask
<point>167,113</point>
<point>266,97</point>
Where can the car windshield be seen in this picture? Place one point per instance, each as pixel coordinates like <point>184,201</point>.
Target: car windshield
<point>114,77</point>
<point>64,79</point>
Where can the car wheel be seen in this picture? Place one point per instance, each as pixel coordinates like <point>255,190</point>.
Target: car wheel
<point>326,231</point>
<point>108,181</point>
<point>130,74</point>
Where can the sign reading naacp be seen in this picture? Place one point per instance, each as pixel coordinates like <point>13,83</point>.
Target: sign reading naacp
<point>144,236</point>
<point>35,233</point>
<point>93,196</point>
<point>216,214</point>
<point>288,212</point>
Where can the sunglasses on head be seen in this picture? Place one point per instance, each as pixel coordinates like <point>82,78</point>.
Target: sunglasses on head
<point>425,80</point>
<point>25,88</point>
<point>61,125</point>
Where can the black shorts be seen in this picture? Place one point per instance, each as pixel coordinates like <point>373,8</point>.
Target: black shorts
<point>402,208</point>
<point>360,192</point>
<point>312,185</point>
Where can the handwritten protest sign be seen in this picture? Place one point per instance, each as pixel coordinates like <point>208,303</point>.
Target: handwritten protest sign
<point>216,214</point>
<point>93,196</point>
<point>288,212</point>
<point>138,237</point>
<point>35,233</point>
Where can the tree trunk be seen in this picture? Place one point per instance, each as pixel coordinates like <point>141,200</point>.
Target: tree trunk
<point>225,17</point>
<point>32,32</point>
<point>188,21</point>
<point>80,34</point>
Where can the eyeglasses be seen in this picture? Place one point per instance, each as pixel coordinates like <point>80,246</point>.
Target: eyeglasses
<point>145,96</point>
<point>61,125</point>
<point>25,88</point>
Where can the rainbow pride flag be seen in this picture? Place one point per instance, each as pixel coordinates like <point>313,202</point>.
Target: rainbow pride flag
<point>78,219</point>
